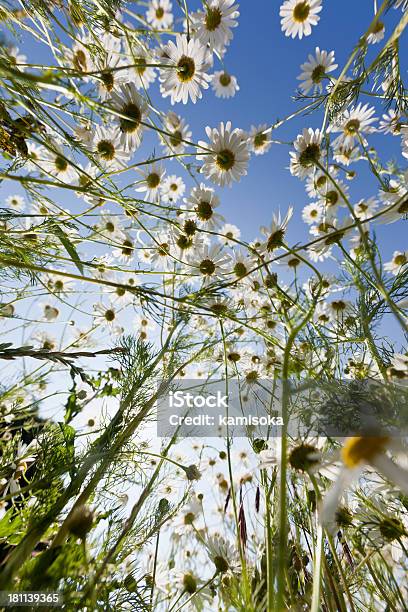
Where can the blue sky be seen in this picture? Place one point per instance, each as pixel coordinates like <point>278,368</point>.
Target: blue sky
<point>266,64</point>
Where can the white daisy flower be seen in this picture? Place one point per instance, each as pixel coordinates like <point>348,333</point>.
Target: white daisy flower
<point>315,70</point>
<point>298,17</point>
<point>213,26</point>
<point>259,139</point>
<point>391,123</point>
<point>111,66</point>
<point>142,75</point>
<point>395,194</point>
<point>230,233</point>
<point>105,315</point>
<point>365,209</point>
<point>45,341</point>
<point>225,85</point>
<point>313,213</point>
<point>399,364</point>
<point>210,263</point>
<point>376,33</point>
<point>178,134</point>
<point>125,252</point>
<point>275,233</point>
<point>398,261</point>
<point>129,103</point>
<point>185,76</point>
<point>346,155</point>
<point>50,313</point>
<point>228,160</point>
<point>144,328</point>
<point>151,182</point>
<point>357,453</point>
<point>352,124</point>
<point>59,284</point>
<point>159,14</point>
<point>110,226</point>
<point>56,162</point>
<point>172,189</point>
<point>79,57</point>
<point>307,153</point>
<point>15,202</point>
<point>108,148</point>
<point>202,202</point>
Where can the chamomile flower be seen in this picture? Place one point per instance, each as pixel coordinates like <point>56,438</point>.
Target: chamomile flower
<point>398,261</point>
<point>213,26</point>
<point>352,124</point>
<point>356,454</point>
<point>395,200</point>
<point>133,110</point>
<point>111,67</point>
<point>391,123</point>
<point>307,154</point>
<point>152,181</point>
<point>50,313</point>
<point>346,155</point>
<point>105,315</point>
<point>298,16</point>
<point>225,85</point>
<point>275,233</point>
<point>145,328</point>
<point>107,147</point>
<point>210,263</point>
<point>186,74</point>
<point>377,33</point>
<point>79,56</point>
<point>15,202</point>
<point>229,234</point>
<point>56,162</point>
<point>313,213</point>
<point>159,14</point>
<point>228,160</point>
<point>172,189</point>
<point>142,75</point>
<point>177,136</point>
<point>399,365</point>
<point>365,209</point>
<point>126,250</point>
<point>259,139</point>
<point>110,226</point>
<point>202,203</point>
<point>315,70</point>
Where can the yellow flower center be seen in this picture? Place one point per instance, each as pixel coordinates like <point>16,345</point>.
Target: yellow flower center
<point>213,19</point>
<point>225,79</point>
<point>400,260</point>
<point>153,180</point>
<point>186,69</point>
<point>359,450</point>
<point>318,73</point>
<point>134,117</point>
<point>106,150</point>
<point>352,127</point>
<point>225,159</point>
<point>301,12</point>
